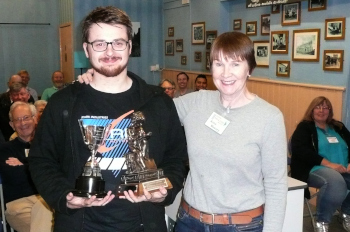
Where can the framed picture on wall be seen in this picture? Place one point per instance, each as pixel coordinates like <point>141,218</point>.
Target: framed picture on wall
<point>197,56</point>
<point>333,60</point>
<point>279,42</point>
<point>262,53</point>
<point>237,24</point>
<point>207,60</point>
<point>198,33</point>
<point>183,60</point>
<point>306,45</point>
<point>251,28</point>
<point>283,68</point>
<point>334,29</point>
<point>171,31</point>
<point>291,14</point>
<point>314,5</point>
<point>179,45</point>
<point>265,24</point>
<point>211,36</point>
<point>275,8</point>
<point>169,47</point>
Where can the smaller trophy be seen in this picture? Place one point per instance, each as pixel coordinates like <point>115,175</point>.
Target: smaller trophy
<point>142,172</point>
<point>90,183</point>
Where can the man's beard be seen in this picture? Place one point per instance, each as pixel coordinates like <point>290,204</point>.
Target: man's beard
<point>109,71</point>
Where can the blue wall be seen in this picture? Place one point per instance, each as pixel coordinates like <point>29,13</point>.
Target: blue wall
<point>149,14</point>
<point>31,47</point>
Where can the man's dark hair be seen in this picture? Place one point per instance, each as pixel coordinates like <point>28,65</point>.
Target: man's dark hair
<point>183,74</point>
<point>200,76</point>
<point>109,15</point>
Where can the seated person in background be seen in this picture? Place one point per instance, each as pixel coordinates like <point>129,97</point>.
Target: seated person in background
<point>168,86</point>
<point>25,80</point>
<point>18,92</point>
<point>25,211</point>
<point>39,106</point>
<point>13,79</point>
<point>182,81</point>
<point>320,156</point>
<point>58,83</point>
<point>200,82</point>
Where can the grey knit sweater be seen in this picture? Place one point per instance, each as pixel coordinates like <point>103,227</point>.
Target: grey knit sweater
<point>240,169</point>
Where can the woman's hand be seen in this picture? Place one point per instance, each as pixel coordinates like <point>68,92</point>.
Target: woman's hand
<point>338,167</point>
<point>157,196</point>
<point>86,77</point>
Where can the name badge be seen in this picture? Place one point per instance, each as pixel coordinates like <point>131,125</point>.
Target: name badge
<point>26,152</point>
<point>332,140</point>
<point>217,123</point>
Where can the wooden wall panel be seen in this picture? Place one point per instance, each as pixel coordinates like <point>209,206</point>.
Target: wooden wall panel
<point>291,98</point>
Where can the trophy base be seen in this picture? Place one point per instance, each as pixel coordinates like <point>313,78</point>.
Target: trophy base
<point>86,186</point>
<point>151,186</point>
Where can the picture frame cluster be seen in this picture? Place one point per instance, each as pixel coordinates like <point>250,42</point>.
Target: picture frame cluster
<point>199,36</point>
<point>304,43</point>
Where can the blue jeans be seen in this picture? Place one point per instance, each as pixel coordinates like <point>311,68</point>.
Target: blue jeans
<point>332,194</point>
<point>187,223</point>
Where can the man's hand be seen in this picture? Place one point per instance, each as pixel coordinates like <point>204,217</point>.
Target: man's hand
<point>157,196</point>
<point>13,162</point>
<point>86,77</point>
<point>74,202</point>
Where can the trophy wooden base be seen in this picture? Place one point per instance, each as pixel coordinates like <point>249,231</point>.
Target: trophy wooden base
<point>138,188</point>
<point>86,186</point>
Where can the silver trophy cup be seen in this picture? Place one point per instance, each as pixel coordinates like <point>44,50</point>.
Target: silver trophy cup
<point>90,182</point>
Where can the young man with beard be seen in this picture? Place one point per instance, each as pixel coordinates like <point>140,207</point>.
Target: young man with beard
<point>58,153</point>
<point>58,83</point>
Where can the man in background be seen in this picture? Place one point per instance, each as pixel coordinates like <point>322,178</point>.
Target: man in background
<point>200,82</point>
<point>25,80</point>
<point>57,79</point>
<point>17,92</point>
<point>25,209</point>
<point>182,82</point>
<point>168,86</point>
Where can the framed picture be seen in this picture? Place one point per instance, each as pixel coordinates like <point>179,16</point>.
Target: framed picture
<point>265,24</point>
<point>333,60</point>
<point>237,24</point>
<point>279,42</point>
<point>334,29</point>
<point>179,45</point>
<point>183,60</point>
<point>283,68</point>
<point>169,47</point>
<point>291,14</point>
<point>207,60</point>
<point>262,56</point>
<point>198,30</point>
<point>317,5</point>
<point>275,8</point>
<point>211,36</point>
<point>171,31</point>
<point>251,28</point>
<point>306,45</point>
<point>197,56</point>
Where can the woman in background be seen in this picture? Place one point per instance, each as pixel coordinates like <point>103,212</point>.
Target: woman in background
<point>320,157</point>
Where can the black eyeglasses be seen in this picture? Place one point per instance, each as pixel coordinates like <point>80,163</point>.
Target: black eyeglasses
<point>101,46</point>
